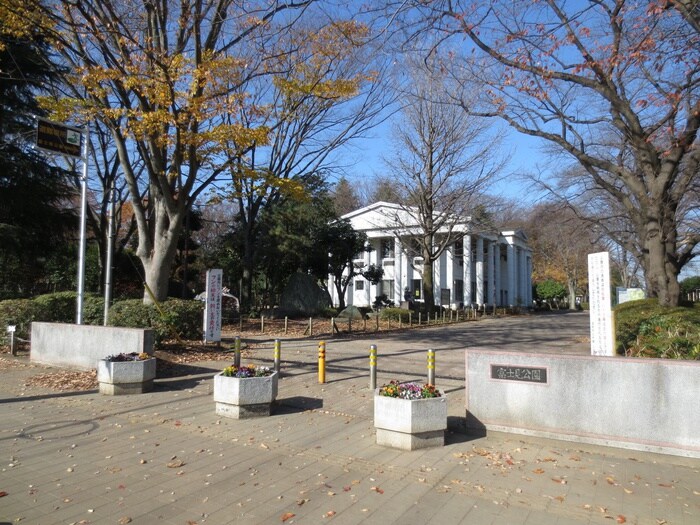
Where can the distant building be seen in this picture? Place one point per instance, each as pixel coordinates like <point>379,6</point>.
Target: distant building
<point>479,268</point>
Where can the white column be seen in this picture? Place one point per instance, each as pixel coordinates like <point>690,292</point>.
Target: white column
<point>512,282</point>
<point>497,282</point>
<point>467,269</point>
<point>450,273</point>
<point>523,278</point>
<point>490,277</point>
<point>479,271</point>
<point>367,294</point>
<point>399,270</point>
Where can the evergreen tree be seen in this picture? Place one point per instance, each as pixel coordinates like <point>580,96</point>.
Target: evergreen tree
<point>33,194</point>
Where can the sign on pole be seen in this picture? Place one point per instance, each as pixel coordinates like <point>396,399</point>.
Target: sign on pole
<point>212,306</point>
<point>58,138</point>
<point>602,340</point>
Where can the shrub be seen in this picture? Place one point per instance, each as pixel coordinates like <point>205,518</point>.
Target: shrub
<point>180,317</point>
<point>56,307</point>
<point>20,313</point>
<point>186,316</point>
<point>93,310</point>
<point>645,329</point>
<point>395,314</point>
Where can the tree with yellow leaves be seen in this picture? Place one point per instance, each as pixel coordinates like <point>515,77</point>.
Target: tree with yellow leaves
<point>167,79</point>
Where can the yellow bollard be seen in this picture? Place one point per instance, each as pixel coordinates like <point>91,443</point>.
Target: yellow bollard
<point>372,367</point>
<point>237,352</point>
<point>431,367</point>
<point>322,362</point>
<point>277,354</point>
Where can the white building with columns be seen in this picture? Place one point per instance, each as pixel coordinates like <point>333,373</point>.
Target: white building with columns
<point>478,268</point>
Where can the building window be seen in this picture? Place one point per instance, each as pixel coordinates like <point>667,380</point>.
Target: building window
<point>359,285</point>
<point>386,287</point>
<point>387,249</point>
<point>459,290</point>
<point>417,285</point>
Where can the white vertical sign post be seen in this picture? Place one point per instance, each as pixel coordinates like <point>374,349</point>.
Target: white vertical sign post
<point>602,341</point>
<point>212,307</point>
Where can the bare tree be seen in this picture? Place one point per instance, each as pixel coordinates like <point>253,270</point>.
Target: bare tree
<point>612,84</point>
<point>441,162</point>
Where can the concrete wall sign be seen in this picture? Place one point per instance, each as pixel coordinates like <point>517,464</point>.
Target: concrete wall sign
<point>519,373</point>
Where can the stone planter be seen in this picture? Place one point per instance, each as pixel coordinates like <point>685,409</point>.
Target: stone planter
<point>244,397</point>
<point>126,377</point>
<point>410,424</point>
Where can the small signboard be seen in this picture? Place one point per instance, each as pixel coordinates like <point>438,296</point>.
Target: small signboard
<point>526,374</point>
<point>212,306</point>
<point>445,296</point>
<point>58,138</point>
<point>602,342</point>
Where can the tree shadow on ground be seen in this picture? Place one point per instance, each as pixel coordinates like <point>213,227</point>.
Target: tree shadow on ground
<point>296,404</point>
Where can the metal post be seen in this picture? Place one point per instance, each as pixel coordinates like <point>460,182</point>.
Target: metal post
<point>237,352</point>
<point>373,367</point>
<point>431,367</point>
<point>83,221</point>
<point>410,319</point>
<point>332,326</point>
<point>262,323</point>
<point>322,362</point>
<point>286,321</point>
<point>278,354</point>
<point>420,318</point>
<point>311,326</point>
<point>111,234</point>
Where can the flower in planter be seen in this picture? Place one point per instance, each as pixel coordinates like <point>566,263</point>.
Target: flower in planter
<point>247,371</point>
<point>133,356</point>
<point>409,390</point>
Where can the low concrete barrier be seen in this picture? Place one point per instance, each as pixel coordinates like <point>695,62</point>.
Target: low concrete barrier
<point>81,346</point>
<point>641,404</point>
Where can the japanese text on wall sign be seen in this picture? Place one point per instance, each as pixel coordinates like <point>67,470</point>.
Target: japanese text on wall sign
<point>519,373</point>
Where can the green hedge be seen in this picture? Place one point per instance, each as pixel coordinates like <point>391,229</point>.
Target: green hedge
<point>395,314</point>
<point>20,313</point>
<point>180,317</point>
<point>645,329</point>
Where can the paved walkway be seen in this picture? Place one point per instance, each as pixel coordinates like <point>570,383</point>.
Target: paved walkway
<point>166,457</point>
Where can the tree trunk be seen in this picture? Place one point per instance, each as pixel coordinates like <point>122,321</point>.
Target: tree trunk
<point>660,267</point>
<point>571,284</point>
<point>158,261</point>
<point>428,291</point>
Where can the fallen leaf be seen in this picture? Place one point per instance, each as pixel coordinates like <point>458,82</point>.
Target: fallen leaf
<point>628,491</point>
<point>538,471</point>
<point>3,494</point>
<point>124,520</point>
<point>300,502</point>
<point>696,493</point>
<point>329,514</point>
<point>559,480</point>
<point>377,489</point>
<point>621,519</point>
<point>176,464</point>
<point>661,522</point>
<point>560,499</point>
<point>331,493</point>
<point>666,485</point>
<point>610,480</point>
<point>347,489</point>
<point>287,515</point>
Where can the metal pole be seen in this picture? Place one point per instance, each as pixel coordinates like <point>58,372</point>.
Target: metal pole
<point>83,221</point>
<point>237,352</point>
<point>322,362</point>
<point>278,353</point>
<point>111,234</point>
<point>373,367</point>
<point>262,323</point>
<point>286,321</point>
<point>431,367</point>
